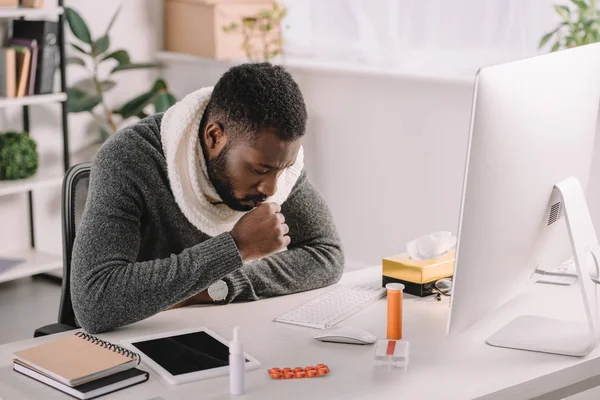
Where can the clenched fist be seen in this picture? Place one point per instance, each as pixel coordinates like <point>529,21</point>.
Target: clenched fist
<point>261,232</point>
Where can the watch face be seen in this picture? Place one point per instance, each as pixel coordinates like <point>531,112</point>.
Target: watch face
<point>218,291</point>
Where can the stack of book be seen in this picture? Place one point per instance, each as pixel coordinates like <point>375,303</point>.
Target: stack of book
<point>18,67</point>
<point>80,365</point>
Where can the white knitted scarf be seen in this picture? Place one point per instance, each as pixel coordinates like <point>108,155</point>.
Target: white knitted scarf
<point>187,172</point>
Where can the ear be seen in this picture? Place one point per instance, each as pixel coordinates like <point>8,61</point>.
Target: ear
<point>215,138</point>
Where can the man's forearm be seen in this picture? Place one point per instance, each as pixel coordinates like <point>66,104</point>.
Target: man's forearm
<point>108,293</point>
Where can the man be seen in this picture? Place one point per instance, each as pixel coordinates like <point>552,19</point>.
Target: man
<point>206,203</point>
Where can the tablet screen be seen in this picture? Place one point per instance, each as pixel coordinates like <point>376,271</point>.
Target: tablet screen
<point>183,354</point>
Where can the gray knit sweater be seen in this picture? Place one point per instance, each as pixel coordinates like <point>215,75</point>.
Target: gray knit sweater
<point>136,254</point>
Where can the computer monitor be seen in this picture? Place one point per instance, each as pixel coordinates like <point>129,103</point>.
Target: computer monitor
<point>533,126</point>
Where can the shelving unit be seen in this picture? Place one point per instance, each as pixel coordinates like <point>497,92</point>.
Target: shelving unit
<point>36,262</point>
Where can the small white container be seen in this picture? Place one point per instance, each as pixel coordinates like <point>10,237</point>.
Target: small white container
<point>237,365</point>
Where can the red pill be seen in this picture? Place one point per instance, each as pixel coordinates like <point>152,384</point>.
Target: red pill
<point>289,375</point>
<point>311,373</point>
<point>300,374</point>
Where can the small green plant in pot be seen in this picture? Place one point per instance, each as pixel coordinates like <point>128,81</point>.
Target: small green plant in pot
<point>580,25</point>
<point>89,94</point>
<point>18,156</point>
<point>261,33</point>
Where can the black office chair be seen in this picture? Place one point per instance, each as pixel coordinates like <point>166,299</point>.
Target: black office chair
<point>74,195</point>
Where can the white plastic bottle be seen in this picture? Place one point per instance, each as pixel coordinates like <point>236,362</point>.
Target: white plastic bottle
<point>237,365</point>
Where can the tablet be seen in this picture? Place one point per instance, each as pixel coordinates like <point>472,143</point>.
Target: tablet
<point>185,355</point>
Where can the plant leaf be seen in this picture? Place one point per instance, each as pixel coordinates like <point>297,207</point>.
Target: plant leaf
<point>108,85</point>
<point>88,85</point>
<point>100,45</point>
<point>78,25</point>
<point>136,105</point>
<point>555,47</point>
<point>563,11</point>
<point>125,67</point>
<point>78,48</point>
<point>75,60</point>
<point>163,101</point>
<point>80,101</point>
<point>104,133</point>
<point>545,39</point>
<point>159,85</point>
<point>114,17</point>
<point>579,3</point>
<point>142,115</point>
<point>122,56</point>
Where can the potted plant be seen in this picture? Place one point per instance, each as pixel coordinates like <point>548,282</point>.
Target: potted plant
<point>261,33</point>
<point>580,25</point>
<point>18,156</point>
<point>88,95</point>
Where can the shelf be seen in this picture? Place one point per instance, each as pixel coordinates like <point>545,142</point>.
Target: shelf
<point>333,66</point>
<point>34,263</point>
<point>39,180</point>
<point>32,100</point>
<point>30,13</point>
<point>47,175</point>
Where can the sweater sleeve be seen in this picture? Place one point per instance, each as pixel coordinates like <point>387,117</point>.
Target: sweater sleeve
<point>314,257</point>
<point>108,287</point>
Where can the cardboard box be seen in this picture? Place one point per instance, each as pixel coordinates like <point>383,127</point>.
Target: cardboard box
<point>9,3</point>
<point>196,26</point>
<point>418,276</point>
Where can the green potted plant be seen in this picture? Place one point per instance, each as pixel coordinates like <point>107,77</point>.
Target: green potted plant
<point>580,25</point>
<point>88,95</point>
<point>18,156</point>
<point>261,33</point>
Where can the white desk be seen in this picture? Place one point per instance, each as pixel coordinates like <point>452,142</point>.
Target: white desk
<point>440,368</point>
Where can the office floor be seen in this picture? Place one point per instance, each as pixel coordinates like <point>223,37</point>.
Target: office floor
<point>26,304</point>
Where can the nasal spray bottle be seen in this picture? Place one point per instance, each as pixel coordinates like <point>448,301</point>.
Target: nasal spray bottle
<point>237,364</point>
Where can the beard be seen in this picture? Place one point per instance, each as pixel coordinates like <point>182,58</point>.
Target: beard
<point>222,181</point>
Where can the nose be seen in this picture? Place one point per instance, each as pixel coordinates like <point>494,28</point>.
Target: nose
<point>268,187</point>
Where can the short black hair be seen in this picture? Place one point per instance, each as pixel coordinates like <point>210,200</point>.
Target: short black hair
<point>252,97</point>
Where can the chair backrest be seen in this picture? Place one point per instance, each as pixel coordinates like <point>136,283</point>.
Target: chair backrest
<point>74,195</point>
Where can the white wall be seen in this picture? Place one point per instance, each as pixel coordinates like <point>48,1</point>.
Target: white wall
<point>387,151</point>
<point>138,29</point>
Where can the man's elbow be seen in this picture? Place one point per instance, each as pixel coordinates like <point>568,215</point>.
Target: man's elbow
<point>89,308</point>
<point>336,264</point>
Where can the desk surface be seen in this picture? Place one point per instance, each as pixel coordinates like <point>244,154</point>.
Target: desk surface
<point>463,367</point>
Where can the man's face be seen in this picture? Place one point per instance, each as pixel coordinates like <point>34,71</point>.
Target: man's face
<point>245,173</point>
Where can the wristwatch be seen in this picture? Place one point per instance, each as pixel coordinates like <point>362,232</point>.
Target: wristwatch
<point>218,291</point>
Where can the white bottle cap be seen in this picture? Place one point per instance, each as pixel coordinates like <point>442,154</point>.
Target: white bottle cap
<point>235,346</point>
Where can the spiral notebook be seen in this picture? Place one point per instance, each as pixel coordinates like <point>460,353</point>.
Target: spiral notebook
<point>76,359</point>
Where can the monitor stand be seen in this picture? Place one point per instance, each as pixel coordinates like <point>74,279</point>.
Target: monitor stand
<point>547,335</point>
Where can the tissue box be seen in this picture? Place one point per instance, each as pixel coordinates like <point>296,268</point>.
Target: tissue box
<point>417,276</point>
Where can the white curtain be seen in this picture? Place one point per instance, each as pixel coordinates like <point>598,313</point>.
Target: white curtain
<point>457,34</point>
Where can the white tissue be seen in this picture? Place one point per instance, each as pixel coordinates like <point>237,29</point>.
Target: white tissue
<point>430,246</point>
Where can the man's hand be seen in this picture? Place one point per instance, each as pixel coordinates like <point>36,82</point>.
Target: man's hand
<point>261,232</point>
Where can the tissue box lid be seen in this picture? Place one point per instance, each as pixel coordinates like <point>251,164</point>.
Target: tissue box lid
<point>419,271</point>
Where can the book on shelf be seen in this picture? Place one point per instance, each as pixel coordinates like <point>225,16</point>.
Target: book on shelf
<point>46,35</point>
<point>8,72</point>
<point>23,67</point>
<point>32,45</point>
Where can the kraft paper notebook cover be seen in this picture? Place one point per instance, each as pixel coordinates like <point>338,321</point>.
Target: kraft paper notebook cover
<point>77,358</point>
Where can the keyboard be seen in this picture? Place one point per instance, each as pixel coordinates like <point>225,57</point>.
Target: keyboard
<point>332,307</point>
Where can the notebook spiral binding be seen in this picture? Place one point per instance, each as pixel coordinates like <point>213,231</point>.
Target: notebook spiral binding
<point>111,346</point>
